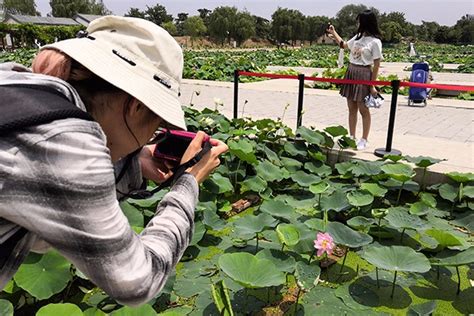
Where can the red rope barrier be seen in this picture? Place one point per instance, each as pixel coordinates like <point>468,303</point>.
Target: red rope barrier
<point>365,82</point>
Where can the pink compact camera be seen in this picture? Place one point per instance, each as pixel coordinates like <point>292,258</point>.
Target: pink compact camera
<point>172,144</point>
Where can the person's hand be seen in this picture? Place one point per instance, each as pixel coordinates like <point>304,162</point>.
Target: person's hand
<point>209,162</point>
<point>157,170</point>
<point>373,91</point>
<point>331,30</point>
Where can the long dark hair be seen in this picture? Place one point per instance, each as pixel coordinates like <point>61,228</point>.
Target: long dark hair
<point>368,25</point>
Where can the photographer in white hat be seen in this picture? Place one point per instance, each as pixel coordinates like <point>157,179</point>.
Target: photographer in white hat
<point>58,179</point>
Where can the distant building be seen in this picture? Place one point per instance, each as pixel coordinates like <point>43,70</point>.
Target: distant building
<point>325,39</point>
<point>85,19</point>
<point>38,20</point>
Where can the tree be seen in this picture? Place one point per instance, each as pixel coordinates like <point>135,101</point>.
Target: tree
<point>182,17</point>
<point>346,19</point>
<point>244,28</point>
<point>464,28</point>
<point>426,31</point>
<point>288,25</point>
<point>194,26</point>
<point>204,15</point>
<point>23,7</point>
<point>262,27</point>
<point>445,35</point>
<point>392,31</point>
<point>221,23</point>
<point>315,27</point>
<point>157,14</point>
<point>69,8</point>
<point>170,27</point>
<point>135,13</point>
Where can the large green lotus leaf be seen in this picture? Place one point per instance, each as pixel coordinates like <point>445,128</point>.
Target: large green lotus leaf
<point>188,287</point>
<point>346,236</point>
<point>393,158</point>
<point>269,172</point>
<point>199,231</point>
<point>429,199</point>
<point>134,216</point>
<point>398,217</point>
<point>6,308</point>
<point>272,156</point>
<point>177,311</point>
<point>424,309</point>
<point>366,168</point>
<point>336,131</point>
<point>360,222</point>
<point>144,310</point>
<point>249,225</point>
<point>307,275</point>
<point>300,200</point>
<point>288,234</point>
<point>374,189</point>
<point>357,296</point>
<point>312,137</point>
<point>468,191</point>
<point>315,224</point>
<point>346,142</point>
<point>448,192</point>
<point>320,187</point>
<point>465,220</point>
<point>422,161</point>
<point>255,184</point>
<point>399,171</point>
<point>461,177</point>
<point>306,243</point>
<point>291,164</point>
<point>420,208</point>
<point>319,169</point>
<point>280,259</point>
<point>360,198</point>
<point>323,301</point>
<point>212,220</point>
<point>243,149</point>
<point>48,276</point>
<point>344,168</point>
<point>296,149</point>
<point>450,258</point>
<point>444,238</point>
<point>396,258</point>
<point>93,311</point>
<point>304,179</point>
<point>250,271</point>
<point>218,184</point>
<point>59,309</point>
<point>277,208</point>
<point>150,202</point>
<point>336,202</point>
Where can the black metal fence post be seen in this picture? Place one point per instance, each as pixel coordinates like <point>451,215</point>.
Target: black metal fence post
<point>388,150</point>
<point>299,114</point>
<point>236,93</point>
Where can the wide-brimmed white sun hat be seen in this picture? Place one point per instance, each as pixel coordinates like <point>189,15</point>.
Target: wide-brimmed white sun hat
<point>136,56</point>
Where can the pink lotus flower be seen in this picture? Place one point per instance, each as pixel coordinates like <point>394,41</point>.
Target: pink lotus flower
<point>324,243</point>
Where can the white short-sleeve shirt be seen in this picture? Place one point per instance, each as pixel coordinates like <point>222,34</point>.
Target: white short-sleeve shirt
<point>364,50</point>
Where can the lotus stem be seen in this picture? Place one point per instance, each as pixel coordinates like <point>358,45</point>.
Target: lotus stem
<point>437,273</point>
<point>459,281</point>
<point>357,270</point>
<point>282,247</point>
<point>393,285</point>
<point>401,236</point>
<point>236,173</point>
<point>268,295</point>
<point>297,298</point>
<point>377,277</point>
<point>319,200</point>
<point>344,261</point>
<point>422,185</point>
<point>312,256</point>
<point>400,193</point>
<point>325,219</point>
<point>256,246</point>
<point>379,230</point>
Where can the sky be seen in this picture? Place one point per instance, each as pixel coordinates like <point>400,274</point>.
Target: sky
<point>445,12</point>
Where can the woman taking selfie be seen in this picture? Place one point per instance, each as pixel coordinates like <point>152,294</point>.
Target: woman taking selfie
<point>365,55</point>
<point>59,180</point>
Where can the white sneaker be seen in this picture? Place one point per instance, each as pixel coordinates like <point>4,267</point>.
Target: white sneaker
<point>362,144</point>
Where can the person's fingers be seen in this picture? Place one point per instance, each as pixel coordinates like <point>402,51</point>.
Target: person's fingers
<point>220,148</point>
<point>198,140</point>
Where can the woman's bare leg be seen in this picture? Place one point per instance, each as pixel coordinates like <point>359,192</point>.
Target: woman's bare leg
<point>352,105</point>
<point>366,119</point>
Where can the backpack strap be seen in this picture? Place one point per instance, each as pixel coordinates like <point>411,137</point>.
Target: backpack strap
<point>30,105</point>
<point>26,105</point>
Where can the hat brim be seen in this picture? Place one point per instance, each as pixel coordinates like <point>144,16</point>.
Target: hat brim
<point>139,84</point>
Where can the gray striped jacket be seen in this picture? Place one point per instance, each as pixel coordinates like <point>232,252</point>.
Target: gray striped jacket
<point>57,181</point>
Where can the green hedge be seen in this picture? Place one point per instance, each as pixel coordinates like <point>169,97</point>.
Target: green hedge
<point>25,34</point>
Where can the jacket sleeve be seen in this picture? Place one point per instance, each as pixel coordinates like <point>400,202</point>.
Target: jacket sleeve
<point>63,190</point>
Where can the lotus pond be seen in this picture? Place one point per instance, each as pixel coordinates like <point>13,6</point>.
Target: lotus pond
<point>396,246</point>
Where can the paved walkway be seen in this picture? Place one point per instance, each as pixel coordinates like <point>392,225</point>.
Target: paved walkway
<point>444,129</point>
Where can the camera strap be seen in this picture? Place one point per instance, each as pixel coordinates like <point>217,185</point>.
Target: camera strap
<point>177,173</point>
